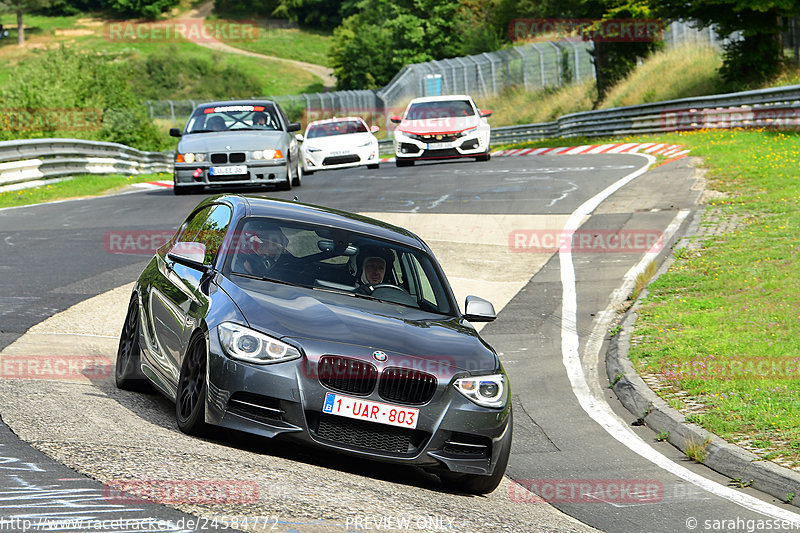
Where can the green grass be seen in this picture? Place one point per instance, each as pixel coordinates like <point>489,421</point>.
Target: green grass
<point>290,43</point>
<point>77,187</point>
<point>271,77</point>
<point>734,302</point>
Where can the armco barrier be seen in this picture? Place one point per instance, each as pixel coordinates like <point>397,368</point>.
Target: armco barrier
<point>777,108</point>
<point>34,159</point>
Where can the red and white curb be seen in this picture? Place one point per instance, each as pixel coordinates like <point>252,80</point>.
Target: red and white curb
<point>671,151</point>
<point>164,184</point>
<point>665,150</point>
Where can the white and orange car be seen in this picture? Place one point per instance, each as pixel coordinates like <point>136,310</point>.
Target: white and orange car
<point>441,127</point>
<point>339,143</point>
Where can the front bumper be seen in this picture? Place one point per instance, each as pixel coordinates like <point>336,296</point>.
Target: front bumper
<point>328,160</point>
<point>286,399</point>
<point>419,147</point>
<point>256,173</point>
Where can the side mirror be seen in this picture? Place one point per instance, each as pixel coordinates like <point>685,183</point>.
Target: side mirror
<point>293,126</point>
<point>396,119</point>
<point>478,310</point>
<point>299,137</point>
<point>174,132</point>
<point>191,254</point>
<point>486,113</point>
<point>375,128</point>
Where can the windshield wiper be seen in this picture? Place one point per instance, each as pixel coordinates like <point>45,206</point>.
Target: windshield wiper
<point>346,293</point>
<point>264,278</point>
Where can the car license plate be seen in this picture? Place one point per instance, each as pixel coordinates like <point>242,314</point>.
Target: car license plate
<point>341,152</point>
<point>382,413</point>
<point>227,171</point>
<point>440,146</point>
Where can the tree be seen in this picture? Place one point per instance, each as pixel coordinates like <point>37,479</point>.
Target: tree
<point>756,56</point>
<point>19,7</point>
<point>613,58</point>
<point>371,46</point>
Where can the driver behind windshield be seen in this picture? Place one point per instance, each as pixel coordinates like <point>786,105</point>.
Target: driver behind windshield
<point>371,269</point>
<point>262,249</point>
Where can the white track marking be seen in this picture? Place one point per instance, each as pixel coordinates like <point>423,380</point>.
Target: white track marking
<point>598,409</point>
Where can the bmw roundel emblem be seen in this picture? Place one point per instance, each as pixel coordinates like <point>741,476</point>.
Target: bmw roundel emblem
<point>380,356</point>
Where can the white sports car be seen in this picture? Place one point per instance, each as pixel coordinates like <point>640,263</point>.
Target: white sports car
<point>441,127</point>
<point>339,143</point>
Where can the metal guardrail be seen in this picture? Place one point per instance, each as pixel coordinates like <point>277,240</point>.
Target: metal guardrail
<point>34,159</point>
<point>777,108</point>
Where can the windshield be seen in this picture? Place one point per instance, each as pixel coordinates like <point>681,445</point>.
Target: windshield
<point>336,260</point>
<point>233,118</point>
<point>441,109</point>
<point>343,127</point>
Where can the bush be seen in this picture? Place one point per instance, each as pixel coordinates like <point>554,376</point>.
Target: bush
<point>62,85</point>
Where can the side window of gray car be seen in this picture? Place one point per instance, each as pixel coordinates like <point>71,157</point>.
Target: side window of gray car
<point>208,227</point>
<point>283,116</point>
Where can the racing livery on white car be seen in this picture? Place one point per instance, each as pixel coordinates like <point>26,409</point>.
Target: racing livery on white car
<point>441,127</point>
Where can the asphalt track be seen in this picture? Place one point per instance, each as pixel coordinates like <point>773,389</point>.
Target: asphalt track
<point>472,214</point>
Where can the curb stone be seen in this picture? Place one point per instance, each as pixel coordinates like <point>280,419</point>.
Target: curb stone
<point>721,456</point>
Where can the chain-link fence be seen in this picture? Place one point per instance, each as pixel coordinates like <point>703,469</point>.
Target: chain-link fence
<point>532,66</point>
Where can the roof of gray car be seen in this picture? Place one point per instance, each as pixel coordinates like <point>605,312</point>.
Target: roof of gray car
<point>288,210</point>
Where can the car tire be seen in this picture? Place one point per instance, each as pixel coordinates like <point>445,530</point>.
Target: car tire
<point>190,404</point>
<point>484,157</point>
<point>374,167</point>
<point>126,370</point>
<point>477,484</point>
<point>404,162</point>
<point>298,180</point>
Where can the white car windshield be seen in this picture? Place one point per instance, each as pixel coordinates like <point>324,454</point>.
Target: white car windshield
<point>441,109</point>
<point>329,129</point>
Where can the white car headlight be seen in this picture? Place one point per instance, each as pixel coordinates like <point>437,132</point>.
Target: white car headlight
<point>252,346</point>
<point>368,143</point>
<point>312,149</point>
<point>486,391</point>
<point>468,132</point>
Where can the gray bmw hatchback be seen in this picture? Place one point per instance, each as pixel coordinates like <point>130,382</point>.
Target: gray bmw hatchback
<point>296,321</point>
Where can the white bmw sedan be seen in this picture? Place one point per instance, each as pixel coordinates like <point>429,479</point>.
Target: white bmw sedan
<point>339,143</point>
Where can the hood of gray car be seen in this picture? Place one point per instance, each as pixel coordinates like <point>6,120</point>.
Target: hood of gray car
<point>303,313</point>
<point>226,141</point>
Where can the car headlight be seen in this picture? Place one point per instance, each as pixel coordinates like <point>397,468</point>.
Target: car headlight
<point>408,135</point>
<point>368,143</point>
<point>312,149</point>
<point>467,132</point>
<point>486,391</point>
<point>249,345</point>
<point>190,157</point>
<point>267,154</point>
